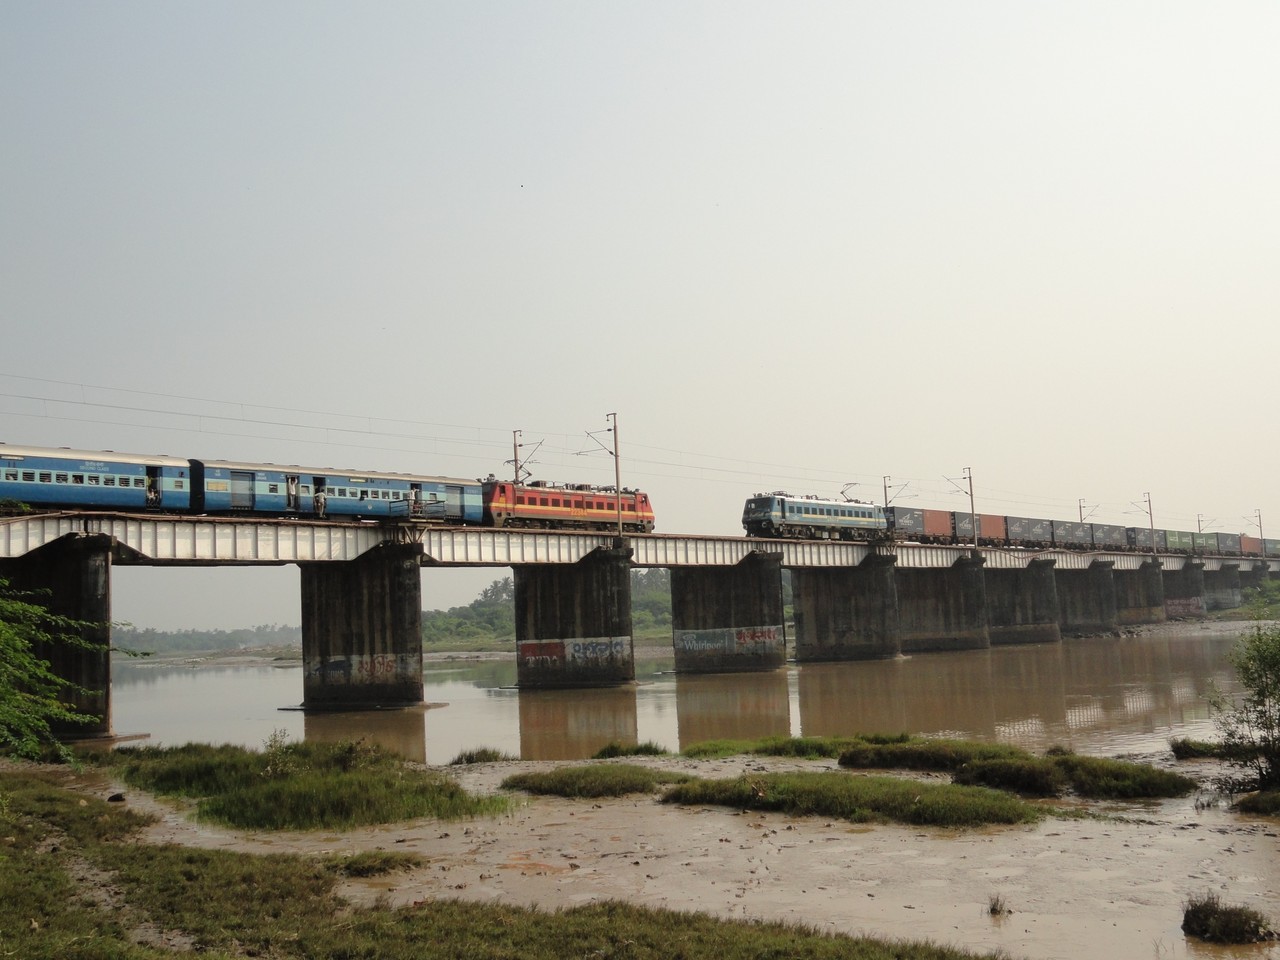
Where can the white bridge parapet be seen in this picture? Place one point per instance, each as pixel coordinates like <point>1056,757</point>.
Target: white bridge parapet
<point>175,540</point>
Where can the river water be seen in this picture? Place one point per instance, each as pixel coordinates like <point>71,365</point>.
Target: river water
<point>1103,696</point>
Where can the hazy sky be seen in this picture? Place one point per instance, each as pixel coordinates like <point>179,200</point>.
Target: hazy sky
<point>792,245</point>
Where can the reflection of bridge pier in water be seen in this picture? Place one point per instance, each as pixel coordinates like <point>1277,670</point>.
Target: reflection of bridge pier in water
<point>888,696</point>
<point>572,724</point>
<point>732,706</point>
<point>402,732</point>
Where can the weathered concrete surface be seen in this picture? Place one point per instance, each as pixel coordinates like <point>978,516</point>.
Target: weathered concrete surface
<point>362,630</point>
<point>573,622</point>
<point>1022,605</point>
<point>71,578</point>
<point>1087,599</point>
<point>846,613</point>
<point>1140,594</point>
<point>943,609</point>
<point>1222,587</point>
<point>729,619</point>
<point>1184,591</point>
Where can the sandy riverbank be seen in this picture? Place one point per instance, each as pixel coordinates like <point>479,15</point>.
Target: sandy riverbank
<point>1111,887</point>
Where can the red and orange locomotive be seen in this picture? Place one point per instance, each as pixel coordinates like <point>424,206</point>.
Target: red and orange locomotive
<point>570,506</point>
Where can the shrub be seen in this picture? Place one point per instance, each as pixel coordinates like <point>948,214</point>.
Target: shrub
<point>1039,776</point>
<point>1250,727</point>
<point>1265,802</point>
<point>1208,918</point>
<point>615,749</point>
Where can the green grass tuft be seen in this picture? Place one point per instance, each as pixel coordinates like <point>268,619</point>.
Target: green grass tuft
<point>1265,802</point>
<point>860,799</point>
<point>1208,918</point>
<point>372,863</point>
<point>615,749</point>
<point>595,780</point>
<point>480,755</point>
<point>300,786</point>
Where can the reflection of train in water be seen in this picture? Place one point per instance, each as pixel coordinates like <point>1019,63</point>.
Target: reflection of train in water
<point>780,515</point>
<point>104,480</point>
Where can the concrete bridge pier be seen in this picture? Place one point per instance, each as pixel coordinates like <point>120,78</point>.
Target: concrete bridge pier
<point>72,578</point>
<point>1022,605</point>
<point>573,622</point>
<point>729,619</point>
<point>1087,599</point>
<point>362,630</point>
<point>943,609</point>
<point>846,613</point>
<point>1222,587</point>
<point>1140,594</point>
<point>1184,591</point>
<point>1252,575</point>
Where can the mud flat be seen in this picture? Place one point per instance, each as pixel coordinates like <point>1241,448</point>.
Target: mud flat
<point>1111,886</point>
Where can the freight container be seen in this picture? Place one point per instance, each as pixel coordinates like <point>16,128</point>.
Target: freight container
<point>1109,537</point>
<point>905,524</point>
<point>1072,535</point>
<point>937,525</point>
<point>1018,530</point>
<point>1271,548</point>
<point>1041,532</point>
<point>1250,546</point>
<point>1229,544</point>
<point>991,528</point>
<point>1204,543</point>
<point>1139,538</point>
<point>1179,541</point>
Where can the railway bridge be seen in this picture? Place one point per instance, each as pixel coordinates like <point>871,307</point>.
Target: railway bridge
<point>362,595</point>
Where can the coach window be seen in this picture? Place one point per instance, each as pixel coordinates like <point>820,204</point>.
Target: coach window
<point>542,502</point>
<point>555,501</point>
<point>273,488</point>
<point>108,481</point>
<point>94,480</point>
<point>11,475</point>
<point>60,478</point>
<point>77,479</point>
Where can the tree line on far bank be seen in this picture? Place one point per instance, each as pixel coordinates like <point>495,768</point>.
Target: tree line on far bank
<point>490,616</point>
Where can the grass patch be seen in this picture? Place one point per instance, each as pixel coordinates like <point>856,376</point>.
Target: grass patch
<point>1208,918</point>
<point>480,755</point>
<point>299,786</point>
<point>801,747</point>
<point>1099,778</point>
<point>925,753</point>
<point>860,799</point>
<point>596,780</point>
<point>1035,776</point>
<point>226,904</point>
<point>372,863</point>
<point>615,749</point>
<point>1184,748</point>
<point>1265,802</point>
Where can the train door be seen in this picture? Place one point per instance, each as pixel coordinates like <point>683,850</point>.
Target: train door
<point>319,499</point>
<point>241,490</point>
<point>415,499</point>
<point>453,503</point>
<point>291,492</point>
<point>153,486</point>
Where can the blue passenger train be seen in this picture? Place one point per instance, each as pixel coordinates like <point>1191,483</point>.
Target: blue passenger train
<point>104,480</point>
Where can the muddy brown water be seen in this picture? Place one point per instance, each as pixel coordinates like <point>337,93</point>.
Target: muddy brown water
<point>1110,887</point>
